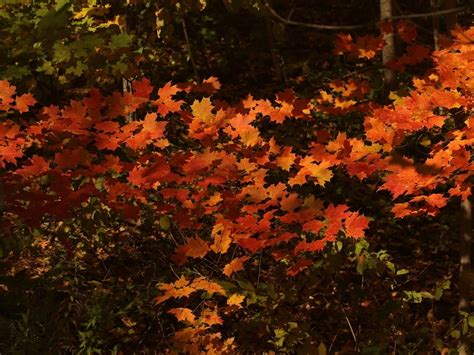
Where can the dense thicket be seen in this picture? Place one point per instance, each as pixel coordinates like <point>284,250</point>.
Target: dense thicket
<point>235,176</point>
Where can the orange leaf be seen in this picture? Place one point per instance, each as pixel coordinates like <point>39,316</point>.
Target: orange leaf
<point>208,286</point>
<point>235,265</point>
<point>286,159</point>
<point>211,317</point>
<point>183,314</point>
<point>222,239</point>
<point>202,110</point>
<point>24,101</point>
<point>196,248</point>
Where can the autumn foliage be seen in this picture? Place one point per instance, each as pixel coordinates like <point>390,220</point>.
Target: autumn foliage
<point>221,185</point>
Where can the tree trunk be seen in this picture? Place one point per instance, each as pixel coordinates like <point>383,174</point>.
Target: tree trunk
<point>127,87</point>
<point>436,24</point>
<point>465,272</point>
<point>271,47</point>
<point>451,19</point>
<point>2,198</point>
<point>388,53</point>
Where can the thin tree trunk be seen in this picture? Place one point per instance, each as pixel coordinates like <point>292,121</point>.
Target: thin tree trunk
<point>436,24</point>
<point>127,87</point>
<point>465,267</point>
<point>451,19</point>
<point>271,47</point>
<point>2,198</point>
<point>190,52</point>
<point>388,52</point>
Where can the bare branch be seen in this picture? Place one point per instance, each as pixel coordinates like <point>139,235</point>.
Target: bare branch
<point>311,25</point>
<point>360,26</point>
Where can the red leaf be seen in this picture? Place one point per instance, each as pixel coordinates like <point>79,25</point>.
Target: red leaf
<point>355,225</point>
<point>38,165</point>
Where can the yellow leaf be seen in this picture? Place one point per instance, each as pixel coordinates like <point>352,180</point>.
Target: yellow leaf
<point>235,300</point>
<point>320,171</point>
<point>202,110</point>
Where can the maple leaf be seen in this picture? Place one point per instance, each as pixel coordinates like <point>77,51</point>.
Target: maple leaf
<point>290,202</point>
<point>208,86</point>
<point>183,314</point>
<point>38,165</point>
<point>69,159</point>
<point>24,102</point>
<point>202,110</point>
<point>355,225</point>
<point>178,289</point>
<point>209,286</point>
<point>286,159</point>
<point>299,266</point>
<point>10,153</point>
<point>195,248</point>
<point>165,102</point>
<point>314,226</point>
<point>368,46</point>
<point>107,126</point>
<point>211,317</point>
<point>249,135</point>
<point>401,210</point>
<point>406,30</point>
<point>142,88</point>
<point>235,265</point>
<point>222,239</point>
<point>6,94</point>
<point>321,171</point>
<point>313,246</point>
<point>235,300</point>
<point>344,44</point>
<point>214,199</point>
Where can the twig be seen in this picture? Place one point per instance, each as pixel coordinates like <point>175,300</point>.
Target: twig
<point>352,330</point>
<point>259,267</point>
<point>332,342</point>
<point>188,45</point>
<point>174,272</point>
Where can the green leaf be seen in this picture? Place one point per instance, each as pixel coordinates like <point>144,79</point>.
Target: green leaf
<point>360,245</point>
<point>120,40</point>
<point>402,272</point>
<point>247,286</point>
<point>322,349</point>
<point>280,335</point>
<point>165,223</point>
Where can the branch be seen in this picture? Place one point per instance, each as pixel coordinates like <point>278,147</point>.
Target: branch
<point>312,25</point>
<point>360,26</point>
<point>427,14</point>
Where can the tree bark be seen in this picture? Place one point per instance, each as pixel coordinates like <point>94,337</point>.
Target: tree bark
<point>465,271</point>
<point>127,87</point>
<point>2,198</point>
<point>271,47</point>
<point>451,18</point>
<point>388,52</point>
<point>436,24</point>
